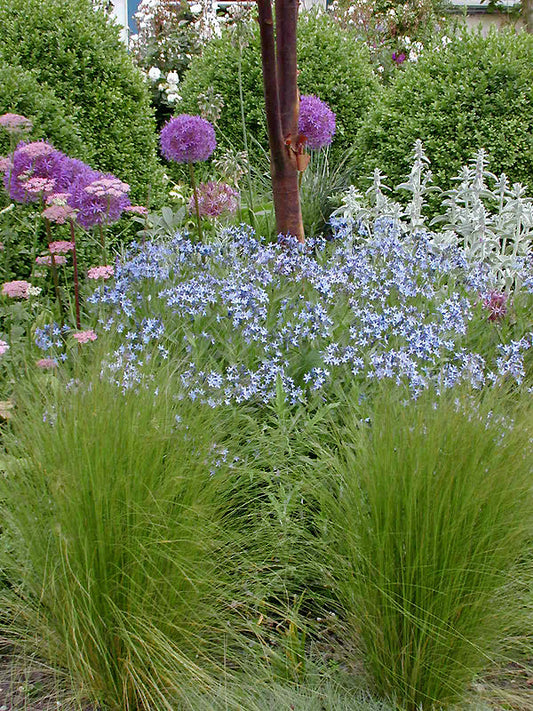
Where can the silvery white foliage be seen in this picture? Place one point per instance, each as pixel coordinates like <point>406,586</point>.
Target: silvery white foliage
<point>491,220</point>
<point>418,184</point>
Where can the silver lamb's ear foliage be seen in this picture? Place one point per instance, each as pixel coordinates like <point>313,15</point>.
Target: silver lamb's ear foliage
<point>380,204</point>
<point>418,184</point>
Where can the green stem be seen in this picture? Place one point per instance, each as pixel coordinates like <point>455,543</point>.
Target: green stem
<point>76,278</point>
<point>245,140</point>
<point>53,267</point>
<point>196,204</point>
<point>102,243</point>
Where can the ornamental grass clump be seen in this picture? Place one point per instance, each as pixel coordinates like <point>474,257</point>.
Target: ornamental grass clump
<point>117,530</point>
<point>432,512</point>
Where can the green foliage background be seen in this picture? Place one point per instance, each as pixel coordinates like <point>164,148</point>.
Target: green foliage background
<point>333,64</point>
<point>76,55</point>
<point>477,92</point>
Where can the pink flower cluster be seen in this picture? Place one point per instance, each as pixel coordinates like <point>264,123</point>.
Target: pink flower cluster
<point>214,199</point>
<point>4,347</point>
<point>46,260</point>
<point>85,336</point>
<point>16,289</point>
<point>46,363</point>
<point>58,214</point>
<point>137,210</point>
<point>39,186</point>
<point>110,187</point>
<point>61,247</point>
<point>15,123</point>
<point>102,272</point>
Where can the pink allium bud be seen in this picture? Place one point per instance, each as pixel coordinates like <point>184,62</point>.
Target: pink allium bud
<point>214,199</point>
<point>46,260</point>
<point>103,272</point>
<point>85,336</point>
<point>16,289</point>
<point>187,139</point>
<point>4,347</point>
<point>61,247</point>
<point>137,210</point>
<point>46,363</point>
<point>316,122</point>
<point>15,123</point>
<point>496,304</point>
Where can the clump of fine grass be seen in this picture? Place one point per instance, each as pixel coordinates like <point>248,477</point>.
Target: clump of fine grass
<point>120,556</point>
<point>434,509</point>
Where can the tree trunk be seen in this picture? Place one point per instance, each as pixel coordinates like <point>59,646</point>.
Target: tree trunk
<point>281,103</point>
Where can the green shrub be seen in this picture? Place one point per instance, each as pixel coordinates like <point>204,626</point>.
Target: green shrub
<point>433,513</point>
<point>333,64</point>
<point>77,53</point>
<point>22,93</point>
<point>477,92</point>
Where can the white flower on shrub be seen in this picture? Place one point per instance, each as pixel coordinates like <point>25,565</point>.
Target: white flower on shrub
<point>154,73</point>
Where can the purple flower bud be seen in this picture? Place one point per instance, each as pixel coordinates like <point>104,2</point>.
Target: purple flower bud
<point>214,199</point>
<point>187,139</point>
<point>316,122</point>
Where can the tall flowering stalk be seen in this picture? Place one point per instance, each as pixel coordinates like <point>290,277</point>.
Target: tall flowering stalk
<point>189,139</point>
<point>278,53</point>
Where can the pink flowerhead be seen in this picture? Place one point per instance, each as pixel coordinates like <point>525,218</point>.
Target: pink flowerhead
<point>214,199</point>
<point>15,123</point>
<point>46,363</point>
<point>58,214</point>
<point>85,336</point>
<point>316,122</point>
<point>4,347</point>
<point>46,260</point>
<point>16,289</point>
<point>61,247</point>
<point>108,186</point>
<point>137,210</point>
<point>187,139</point>
<point>103,272</point>
<point>35,187</point>
<point>496,304</point>
<point>5,164</point>
<point>57,199</point>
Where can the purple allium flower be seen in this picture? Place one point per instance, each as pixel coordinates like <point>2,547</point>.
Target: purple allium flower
<point>187,139</point>
<point>15,123</point>
<point>214,199</point>
<point>99,199</point>
<point>316,122</point>
<point>30,161</point>
<point>496,304</point>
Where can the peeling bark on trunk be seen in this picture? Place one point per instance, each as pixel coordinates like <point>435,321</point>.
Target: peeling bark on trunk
<point>278,55</point>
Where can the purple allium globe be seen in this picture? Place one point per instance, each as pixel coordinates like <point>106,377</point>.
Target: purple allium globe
<point>30,161</point>
<point>316,122</point>
<point>214,199</point>
<point>99,199</point>
<point>187,139</point>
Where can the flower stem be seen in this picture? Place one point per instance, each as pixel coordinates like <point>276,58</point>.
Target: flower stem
<point>53,267</point>
<point>102,243</point>
<point>76,278</point>
<point>196,204</point>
